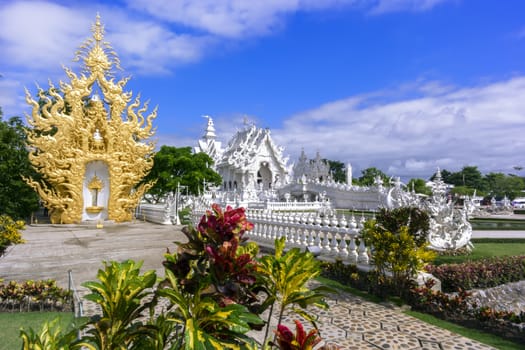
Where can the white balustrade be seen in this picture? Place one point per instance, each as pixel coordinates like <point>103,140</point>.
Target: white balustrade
<point>157,213</point>
<point>336,238</point>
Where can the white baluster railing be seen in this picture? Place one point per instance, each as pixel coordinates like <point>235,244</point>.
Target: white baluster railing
<point>334,238</point>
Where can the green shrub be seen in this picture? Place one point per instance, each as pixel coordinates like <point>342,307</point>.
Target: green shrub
<point>10,232</point>
<point>395,254</point>
<point>416,220</point>
<point>120,291</point>
<point>285,277</point>
<point>50,337</point>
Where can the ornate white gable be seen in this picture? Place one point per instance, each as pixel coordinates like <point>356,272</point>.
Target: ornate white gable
<point>250,162</point>
<point>312,170</point>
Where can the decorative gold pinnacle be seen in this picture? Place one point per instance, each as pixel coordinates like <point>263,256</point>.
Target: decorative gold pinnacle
<point>95,183</point>
<point>98,30</point>
<point>72,127</point>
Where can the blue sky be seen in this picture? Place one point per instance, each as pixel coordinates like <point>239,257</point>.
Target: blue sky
<point>403,85</point>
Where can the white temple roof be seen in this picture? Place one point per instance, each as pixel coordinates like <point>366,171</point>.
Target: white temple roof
<point>248,144</point>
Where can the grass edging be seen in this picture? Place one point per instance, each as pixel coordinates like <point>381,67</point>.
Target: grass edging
<point>11,322</point>
<point>474,334</point>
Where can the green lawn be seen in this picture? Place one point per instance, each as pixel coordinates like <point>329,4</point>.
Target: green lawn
<point>486,338</point>
<point>10,324</point>
<point>486,248</point>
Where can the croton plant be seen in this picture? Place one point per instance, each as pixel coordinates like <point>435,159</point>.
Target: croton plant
<point>216,286</point>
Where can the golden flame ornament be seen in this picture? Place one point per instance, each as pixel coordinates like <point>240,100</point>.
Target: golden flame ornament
<point>86,127</point>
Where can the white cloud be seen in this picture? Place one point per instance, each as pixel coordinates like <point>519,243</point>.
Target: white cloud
<point>8,100</point>
<point>232,18</point>
<point>238,19</point>
<point>151,36</point>
<point>57,30</point>
<point>387,6</point>
<point>148,48</point>
<point>38,34</point>
<point>482,126</point>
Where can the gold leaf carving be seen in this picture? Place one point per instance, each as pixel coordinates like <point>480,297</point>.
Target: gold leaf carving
<point>90,118</point>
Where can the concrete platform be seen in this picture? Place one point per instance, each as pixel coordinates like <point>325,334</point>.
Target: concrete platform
<point>52,250</point>
<point>351,322</point>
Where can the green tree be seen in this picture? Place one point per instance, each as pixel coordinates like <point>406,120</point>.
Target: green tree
<point>460,191</point>
<point>469,176</point>
<point>419,186</point>
<point>174,166</point>
<point>17,199</point>
<point>500,185</point>
<point>337,169</point>
<point>370,174</point>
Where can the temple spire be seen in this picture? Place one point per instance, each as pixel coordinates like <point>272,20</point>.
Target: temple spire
<point>98,30</point>
<point>210,129</point>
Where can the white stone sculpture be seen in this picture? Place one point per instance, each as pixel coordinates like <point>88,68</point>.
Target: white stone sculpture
<point>449,226</point>
<point>398,197</point>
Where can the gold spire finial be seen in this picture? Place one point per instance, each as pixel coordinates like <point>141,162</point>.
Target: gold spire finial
<point>95,183</point>
<point>98,30</point>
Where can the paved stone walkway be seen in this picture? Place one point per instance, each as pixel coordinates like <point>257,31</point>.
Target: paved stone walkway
<point>351,322</point>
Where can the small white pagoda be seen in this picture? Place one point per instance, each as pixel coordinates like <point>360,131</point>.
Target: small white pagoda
<point>208,143</point>
<point>316,170</point>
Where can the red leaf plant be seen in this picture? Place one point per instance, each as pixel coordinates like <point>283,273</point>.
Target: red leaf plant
<point>301,340</point>
<point>212,252</point>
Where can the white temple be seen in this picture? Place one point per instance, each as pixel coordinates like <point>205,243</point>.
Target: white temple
<point>253,169</point>
<point>257,176</point>
<point>311,170</point>
<point>251,163</point>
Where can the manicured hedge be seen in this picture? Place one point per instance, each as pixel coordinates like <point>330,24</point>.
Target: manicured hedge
<point>484,273</point>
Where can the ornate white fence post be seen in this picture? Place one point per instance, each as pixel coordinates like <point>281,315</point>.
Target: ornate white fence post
<point>352,249</point>
<point>310,223</point>
<point>325,240</point>
<point>343,231</point>
<point>328,234</point>
<point>333,228</point>
<point>363,251</point>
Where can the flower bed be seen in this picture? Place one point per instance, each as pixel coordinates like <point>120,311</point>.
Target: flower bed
<point>458,309</point>
<point>34,296</point>
<point>450,307</point>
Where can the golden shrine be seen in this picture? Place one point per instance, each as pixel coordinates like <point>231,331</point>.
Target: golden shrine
<point>89,142</point>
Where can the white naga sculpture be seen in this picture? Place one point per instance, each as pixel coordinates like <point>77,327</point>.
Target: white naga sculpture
<point>397,196</point>
<point>449,226</point>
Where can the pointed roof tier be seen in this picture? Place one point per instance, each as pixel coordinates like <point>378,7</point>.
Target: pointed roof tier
<point>245,147</point>
<point>207,144</point>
